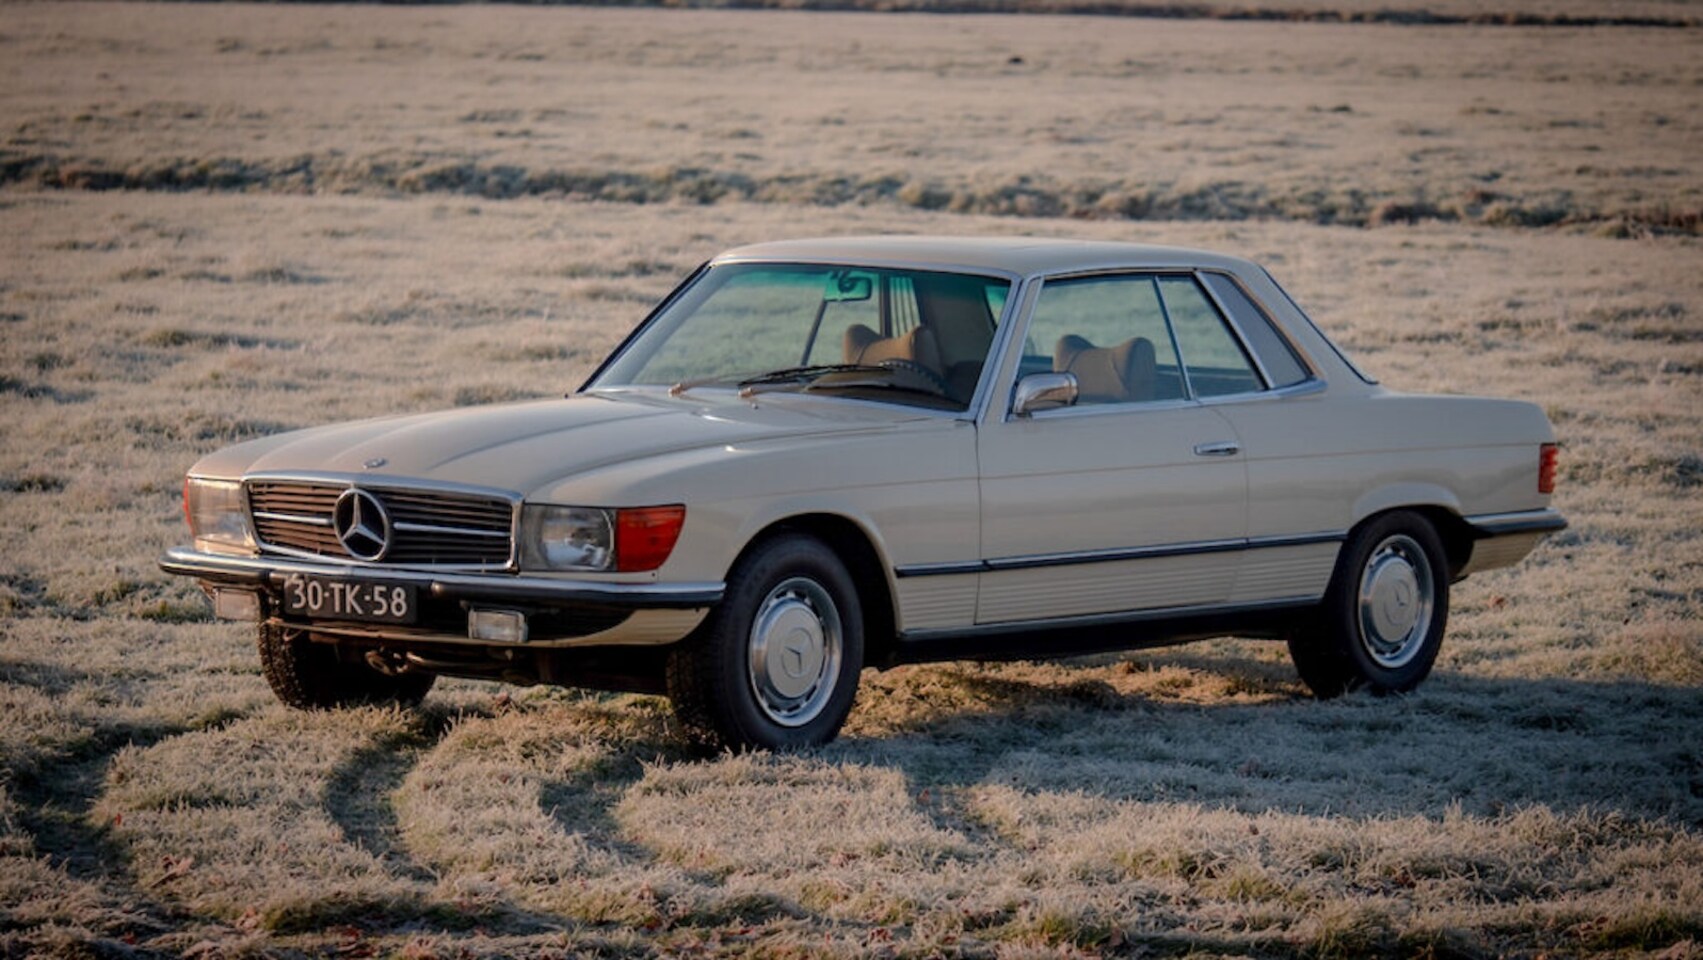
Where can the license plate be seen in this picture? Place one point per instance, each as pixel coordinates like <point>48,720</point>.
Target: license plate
<point>321,599</point>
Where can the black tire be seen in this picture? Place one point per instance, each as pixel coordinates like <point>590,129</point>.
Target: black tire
<point>731,690</point>
<point>310,676</point>
<point>1352,645</point>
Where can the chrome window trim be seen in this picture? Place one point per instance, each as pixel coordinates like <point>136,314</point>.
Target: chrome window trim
<point>639,327</point>
<point>875,263</point>
<point>657,391</point>
<point>1005,359</point>
<point>1302,357</point>
<point>983,396</point>
<point>1236,332</point>
<point>1171,331</point>
<point>1299,389</point>
<point>1340,355</point>
<point>381,481</point>
<point>1108,409</point>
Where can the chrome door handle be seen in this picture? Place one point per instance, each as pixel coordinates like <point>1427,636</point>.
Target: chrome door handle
<point>1223,448</point>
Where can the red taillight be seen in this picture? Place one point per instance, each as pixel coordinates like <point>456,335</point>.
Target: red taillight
<point>1546,469</point>
<point>190,523</point>
<point>644,537</point>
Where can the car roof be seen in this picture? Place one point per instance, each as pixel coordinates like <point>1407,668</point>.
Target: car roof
<point>1022,256</point>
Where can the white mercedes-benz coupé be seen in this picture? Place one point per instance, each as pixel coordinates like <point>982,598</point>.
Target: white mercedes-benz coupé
<point>817,456</point>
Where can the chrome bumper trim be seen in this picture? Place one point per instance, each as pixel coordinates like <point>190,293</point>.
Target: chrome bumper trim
<point>1546,520</point>
<point>270,571</point>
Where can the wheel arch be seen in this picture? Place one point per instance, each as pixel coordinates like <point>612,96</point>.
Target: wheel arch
<point>1455,533</point>
<point>857,549</point>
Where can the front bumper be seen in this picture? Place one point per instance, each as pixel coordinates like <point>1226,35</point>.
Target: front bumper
<point>626,613</point>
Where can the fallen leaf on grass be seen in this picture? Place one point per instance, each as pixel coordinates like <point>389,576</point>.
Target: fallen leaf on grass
<point>175,868</point>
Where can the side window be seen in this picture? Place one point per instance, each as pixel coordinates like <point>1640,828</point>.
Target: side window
<point>1274,353</point>
<point>1110,333</point>
<point>1216,363</point>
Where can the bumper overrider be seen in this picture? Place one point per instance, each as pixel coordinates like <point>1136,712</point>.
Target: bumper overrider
<point>467,607</point>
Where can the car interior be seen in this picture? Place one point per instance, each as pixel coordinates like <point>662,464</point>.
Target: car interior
<point>938,322</point>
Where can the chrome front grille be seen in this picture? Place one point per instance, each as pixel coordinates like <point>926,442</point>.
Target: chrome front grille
<point>429,526</point>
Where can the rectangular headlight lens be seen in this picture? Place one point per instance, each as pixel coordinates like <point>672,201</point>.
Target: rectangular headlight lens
<point>566,538</point>
<point>217,519</point>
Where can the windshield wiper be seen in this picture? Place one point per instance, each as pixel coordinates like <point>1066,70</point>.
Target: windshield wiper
<point>686,385</point>
<point>784,375</point>
<point>790,374</point>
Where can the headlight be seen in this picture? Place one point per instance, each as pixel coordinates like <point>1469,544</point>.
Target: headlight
<point>217,520</point>
<point>566,538</point>
<point>628,540</point>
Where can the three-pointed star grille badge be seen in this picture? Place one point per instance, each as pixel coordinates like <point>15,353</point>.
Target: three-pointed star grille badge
<point>362,524</point>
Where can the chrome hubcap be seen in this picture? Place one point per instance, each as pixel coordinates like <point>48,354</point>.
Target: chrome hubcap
<point>1397,595</point>
<point>795,652</point>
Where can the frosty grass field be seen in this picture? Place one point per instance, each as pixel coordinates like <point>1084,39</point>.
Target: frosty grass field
<point>222,221</point>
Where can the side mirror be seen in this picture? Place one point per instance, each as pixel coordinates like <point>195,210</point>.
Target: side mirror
<point>1044,391</point>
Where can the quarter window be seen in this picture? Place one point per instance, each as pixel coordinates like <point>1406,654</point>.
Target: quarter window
<point>1280,362</point>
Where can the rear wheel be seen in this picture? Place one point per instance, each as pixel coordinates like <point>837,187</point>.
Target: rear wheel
<point>311,676</point>
<point>1383,618</point>
<point>776,664</point>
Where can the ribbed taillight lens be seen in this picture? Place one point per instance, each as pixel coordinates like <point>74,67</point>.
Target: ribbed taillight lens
<point>1546,468</point>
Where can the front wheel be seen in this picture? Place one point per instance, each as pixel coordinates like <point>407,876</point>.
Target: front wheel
<point>1382,620</point>
<point>311,676</point>
<point>776,664</point>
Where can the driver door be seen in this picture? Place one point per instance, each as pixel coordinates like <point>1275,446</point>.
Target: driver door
<point>1134,498</point>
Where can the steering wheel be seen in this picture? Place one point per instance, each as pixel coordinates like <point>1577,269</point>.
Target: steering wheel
<point>935,380</point>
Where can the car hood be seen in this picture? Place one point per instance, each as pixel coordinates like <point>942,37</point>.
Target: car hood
<point>525,446</point>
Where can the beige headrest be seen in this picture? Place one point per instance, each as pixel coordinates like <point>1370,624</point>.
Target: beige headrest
<point>1121,374</point>
<point>864,345</point>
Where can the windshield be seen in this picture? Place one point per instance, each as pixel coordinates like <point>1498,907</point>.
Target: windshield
<point>903,336</point>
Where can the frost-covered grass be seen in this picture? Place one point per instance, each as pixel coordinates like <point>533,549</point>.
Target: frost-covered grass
<point>1544,791</point>
<point>1107,118</point>
<point>1542,794</point>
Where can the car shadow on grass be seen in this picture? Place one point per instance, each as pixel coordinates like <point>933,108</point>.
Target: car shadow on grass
<point>1254,742</point>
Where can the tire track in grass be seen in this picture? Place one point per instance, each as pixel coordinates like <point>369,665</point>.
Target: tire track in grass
<point>231,824</point>
<point>532,807</point>
<point>511,810</point>
<point>66,882</point>
<point>74,886</point>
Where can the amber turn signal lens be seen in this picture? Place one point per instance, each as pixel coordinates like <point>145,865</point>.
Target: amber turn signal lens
<point>1546,468</point>
<point>644,536</point>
